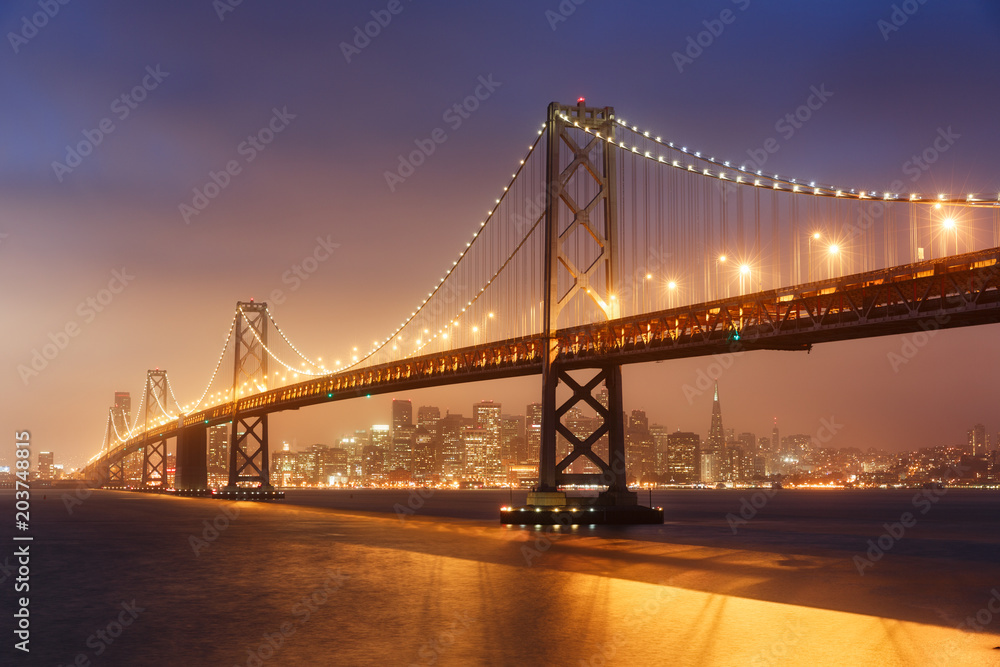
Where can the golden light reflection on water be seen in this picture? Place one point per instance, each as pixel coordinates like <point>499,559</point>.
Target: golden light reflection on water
<point>456,611</point>
<point>479,601</point>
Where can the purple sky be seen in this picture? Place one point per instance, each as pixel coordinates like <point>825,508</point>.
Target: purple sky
<point>64,232</point>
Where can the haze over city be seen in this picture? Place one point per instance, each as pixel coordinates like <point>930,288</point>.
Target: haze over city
<point>324,176</point>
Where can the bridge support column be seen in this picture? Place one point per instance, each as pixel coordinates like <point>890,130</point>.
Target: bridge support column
<point>580,198</point>
<point>192,459</point>
<point>110,473</point>
<point>249,458</point>
<point>154,463</point>
<point>547,505</point>
<point>552,473</point>
<point>615,419</point>
<point>116,473</point>
<point>249,455</point>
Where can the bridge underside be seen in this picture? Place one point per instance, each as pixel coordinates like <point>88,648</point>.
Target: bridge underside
<point>963,290</point>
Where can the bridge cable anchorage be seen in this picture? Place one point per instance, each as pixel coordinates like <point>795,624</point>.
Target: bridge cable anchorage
<point>491,215</point>
<point>798,186</point>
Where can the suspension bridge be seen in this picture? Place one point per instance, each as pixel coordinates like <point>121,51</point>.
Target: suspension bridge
<point>609,245</point>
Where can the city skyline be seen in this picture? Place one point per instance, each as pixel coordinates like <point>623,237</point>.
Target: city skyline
<point>284,429</point>
<point>961,437</point>
<point>490,446</point>
<point>495,446</point>
<point>105,246</point>
<point>763,425</point>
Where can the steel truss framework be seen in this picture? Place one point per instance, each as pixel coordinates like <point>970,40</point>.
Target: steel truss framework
<point>154,463</point>
<point>248,459</point>
<point>613,470</point>
<point>248,449</point>
<point>154,455</point>
<point>598,219</point>
<point>116,472</point>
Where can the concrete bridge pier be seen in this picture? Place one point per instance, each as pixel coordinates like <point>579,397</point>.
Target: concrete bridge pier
<point>192,460</point>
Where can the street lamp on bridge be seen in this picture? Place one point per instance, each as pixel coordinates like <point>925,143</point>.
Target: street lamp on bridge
<point>745,276</point>
<point>718,284</point>
<point>645,291</point>
<point>950,225</point>
<point>834,251</point>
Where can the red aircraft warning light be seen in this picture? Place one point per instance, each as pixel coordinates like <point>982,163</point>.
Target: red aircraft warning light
<point>581,100</point>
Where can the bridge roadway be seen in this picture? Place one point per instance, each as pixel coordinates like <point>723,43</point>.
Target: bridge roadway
<point>961,290</point>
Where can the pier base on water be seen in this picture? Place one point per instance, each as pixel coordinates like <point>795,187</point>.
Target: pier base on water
<point>555,508</point>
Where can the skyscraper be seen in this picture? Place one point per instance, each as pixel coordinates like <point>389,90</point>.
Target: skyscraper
<point>977,440</point>
<point>640,450</point>
<point>427,416</point>
<point>316,462</point>
<point>283,467</point>
<point>486,417</point>
<point>121,413</point>
<point>775,440</point>
<point>716,435</point>
<point>373,463</point>
<point>424,457</point>
<point>402,413</point>
<point>659,435</point>
<point>798,444</point>
<point>449,432</point>
<point>218,460</point>
<point>486,414</point>
<point>45,461</point>
<point>749,442</point>
<point>533,431</point>
<point>337,467</point>
<point>380,436</point>
<point>478,460</point>
<point>353,446</point>
<point>715,446</point>
<point>512,443</point>
<point>401,457</point>
<point>683,457</point>
<point>602,395</point>
<point>375,455</point>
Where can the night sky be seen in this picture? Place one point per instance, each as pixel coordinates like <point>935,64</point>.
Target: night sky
<point>210,82</point>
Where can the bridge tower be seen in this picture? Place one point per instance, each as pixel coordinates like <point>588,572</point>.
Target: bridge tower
<point>108,437</point>
<point>112,473</point>
<point>154,456</point>
<point>249,458</point>
<point>115,475</point>
<point>581,187</point>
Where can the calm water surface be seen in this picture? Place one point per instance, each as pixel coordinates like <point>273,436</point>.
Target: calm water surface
<point>338,577</point>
